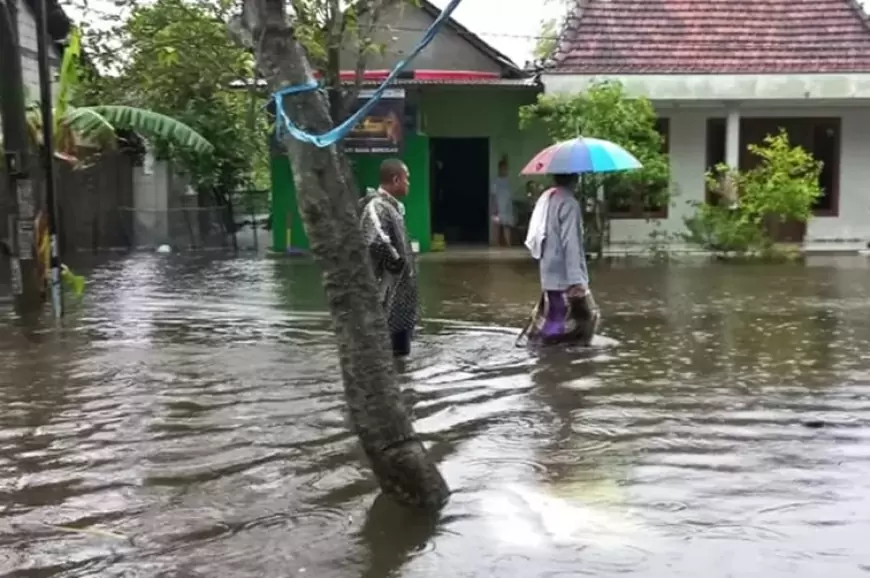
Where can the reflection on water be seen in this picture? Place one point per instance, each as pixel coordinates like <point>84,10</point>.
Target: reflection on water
<point>188,422</point>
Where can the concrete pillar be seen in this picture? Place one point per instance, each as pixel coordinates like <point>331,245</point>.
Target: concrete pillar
<point>732,151</point>
<point>732,138</point>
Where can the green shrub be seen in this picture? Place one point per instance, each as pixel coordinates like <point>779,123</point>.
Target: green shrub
<point>782,187</point>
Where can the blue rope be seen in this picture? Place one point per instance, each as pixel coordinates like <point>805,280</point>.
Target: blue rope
<point>340,131</point>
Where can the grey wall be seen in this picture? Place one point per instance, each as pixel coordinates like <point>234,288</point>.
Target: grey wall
<point>27,37</point>
<point>403,27</point>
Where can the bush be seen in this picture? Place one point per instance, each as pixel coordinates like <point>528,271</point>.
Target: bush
<point>720,229</point>
<point>782,187</point>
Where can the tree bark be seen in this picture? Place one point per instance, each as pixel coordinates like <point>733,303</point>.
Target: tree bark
<point>328,209</point>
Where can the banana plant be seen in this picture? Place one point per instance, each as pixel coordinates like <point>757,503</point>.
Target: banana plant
<point>80,132</point>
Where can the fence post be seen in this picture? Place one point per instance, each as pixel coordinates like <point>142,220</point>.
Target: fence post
<point>255,228</point>
<point>44,45</point>
<point>27,285</point>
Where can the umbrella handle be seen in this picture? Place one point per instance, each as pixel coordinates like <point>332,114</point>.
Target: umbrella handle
<point>527,326</point>
<point>523,332</point>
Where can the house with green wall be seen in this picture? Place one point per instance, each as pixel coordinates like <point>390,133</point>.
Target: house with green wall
<point>462,99</point>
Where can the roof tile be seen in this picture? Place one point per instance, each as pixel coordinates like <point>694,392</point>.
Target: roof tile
<point>713,36</point>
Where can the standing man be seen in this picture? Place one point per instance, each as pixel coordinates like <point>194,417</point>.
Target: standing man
<point>382,222</point>
<point>503,204</point>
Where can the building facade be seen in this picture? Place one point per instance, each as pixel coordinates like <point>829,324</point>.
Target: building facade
<point>725,74</point>
<point>462,101</point>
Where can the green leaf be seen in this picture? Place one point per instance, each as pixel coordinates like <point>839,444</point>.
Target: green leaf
<point>90,126</point>
<point>153,124</point>
<point>69,74</point>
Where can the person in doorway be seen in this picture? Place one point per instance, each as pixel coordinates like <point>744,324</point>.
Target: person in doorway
<point>382,223</point>
<point>503,205</point>
<point>566,311</point>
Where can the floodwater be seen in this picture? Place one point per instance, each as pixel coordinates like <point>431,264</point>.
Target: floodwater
<point>188,422</point>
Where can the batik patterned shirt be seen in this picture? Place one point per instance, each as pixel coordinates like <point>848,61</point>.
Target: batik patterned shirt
<point>382,223</point>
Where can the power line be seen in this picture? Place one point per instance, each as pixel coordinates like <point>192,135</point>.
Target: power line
<point>728,42</point>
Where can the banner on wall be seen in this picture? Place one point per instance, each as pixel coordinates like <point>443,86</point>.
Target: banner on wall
<point>381,131</point>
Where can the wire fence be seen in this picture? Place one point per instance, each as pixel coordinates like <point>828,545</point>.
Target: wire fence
<point>245,225</point>
<point>251,213</point>
<point>182,228</point>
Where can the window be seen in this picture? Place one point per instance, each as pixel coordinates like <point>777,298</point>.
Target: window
<point>715,154</point>
<point>820,136</point>
<point>629,201</point>
<point>826,148</point>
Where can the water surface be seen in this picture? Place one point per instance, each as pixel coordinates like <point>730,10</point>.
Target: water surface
<point>189,418</point>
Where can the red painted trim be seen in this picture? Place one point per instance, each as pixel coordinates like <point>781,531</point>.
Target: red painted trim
<point>455,75</point>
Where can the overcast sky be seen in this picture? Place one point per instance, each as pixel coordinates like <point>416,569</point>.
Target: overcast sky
<point>507,25</point>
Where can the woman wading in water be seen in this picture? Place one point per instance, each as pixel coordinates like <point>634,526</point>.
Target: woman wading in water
<point>566,311</point>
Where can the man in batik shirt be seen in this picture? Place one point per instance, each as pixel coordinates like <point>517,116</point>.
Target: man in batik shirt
<point>383,227</point>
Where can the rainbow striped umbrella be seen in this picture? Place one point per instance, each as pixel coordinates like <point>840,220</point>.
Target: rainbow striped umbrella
<point>581,155</point>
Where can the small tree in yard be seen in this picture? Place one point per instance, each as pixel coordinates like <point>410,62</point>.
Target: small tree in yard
<point>174,57</point>
<point>782,187</point>
<point>605,111</point>
<point>328,207</point>
<point>83,128</point>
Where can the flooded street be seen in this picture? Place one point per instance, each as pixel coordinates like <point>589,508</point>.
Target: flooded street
<point>190,418</point>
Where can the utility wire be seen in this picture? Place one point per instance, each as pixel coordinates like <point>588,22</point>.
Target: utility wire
<point>726,42</point>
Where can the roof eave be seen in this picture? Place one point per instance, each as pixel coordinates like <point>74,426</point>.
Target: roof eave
<point>59,24</point>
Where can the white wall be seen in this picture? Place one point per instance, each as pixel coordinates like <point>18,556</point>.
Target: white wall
<point>694,88</point>
<point>853,220</point>
<point>688,163</point>
<point>151,183</point>
<point>688,153</point>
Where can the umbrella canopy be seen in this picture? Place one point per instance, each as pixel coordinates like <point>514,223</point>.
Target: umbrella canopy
<point>581,155</point>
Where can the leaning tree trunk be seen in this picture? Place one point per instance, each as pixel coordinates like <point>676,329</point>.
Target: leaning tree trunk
<point>328,208</point>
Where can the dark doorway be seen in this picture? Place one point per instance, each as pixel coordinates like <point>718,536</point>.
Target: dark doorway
<point>459,189</point>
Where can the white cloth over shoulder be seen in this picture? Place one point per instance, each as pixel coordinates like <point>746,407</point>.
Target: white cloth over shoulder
<point>538,225</point>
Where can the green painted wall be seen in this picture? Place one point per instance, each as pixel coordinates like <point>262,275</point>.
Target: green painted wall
<point>479,111</point>
<point>287,229</point>
<point>485,111</point>
<point>417,208</point>
<point>365,169</point>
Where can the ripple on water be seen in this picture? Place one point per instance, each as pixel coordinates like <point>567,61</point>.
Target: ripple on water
<point>195,405</point>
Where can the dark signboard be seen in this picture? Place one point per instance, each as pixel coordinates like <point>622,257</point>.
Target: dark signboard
<point>382,129</point>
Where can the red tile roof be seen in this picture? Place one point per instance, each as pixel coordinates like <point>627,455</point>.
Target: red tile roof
<point>713,36</point>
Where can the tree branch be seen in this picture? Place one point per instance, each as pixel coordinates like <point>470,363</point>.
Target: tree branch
<point>371,12</point>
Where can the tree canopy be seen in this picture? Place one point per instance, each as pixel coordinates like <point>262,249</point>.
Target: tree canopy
<point>174,57</point>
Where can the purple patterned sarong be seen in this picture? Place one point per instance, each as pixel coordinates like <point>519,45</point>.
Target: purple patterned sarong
<point>558,318</point>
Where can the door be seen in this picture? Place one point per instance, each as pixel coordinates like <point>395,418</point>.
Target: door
<point>459,189</point>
